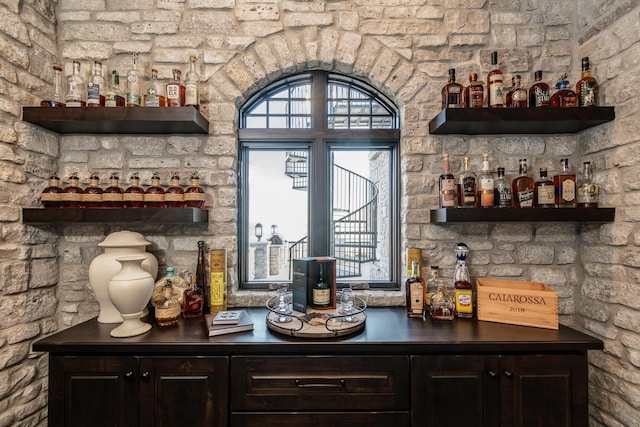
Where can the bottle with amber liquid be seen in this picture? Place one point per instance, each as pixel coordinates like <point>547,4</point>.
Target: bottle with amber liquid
<point>447,185</point>
<point>154,95</point>
<point>416,292</point>
<point>321,291</point>
<point>462,287</point>
<point>112,196</point>
<point>194,195</point>
<point>473,96</point>
<point>539,92</point>
<point>51,196</point>
<point>452,92</point>
<point>588,191</point>
<point>193,300</point>
<point>76,88</point>
<point>201,277</point>
<point>154,195</point>
<point>544,194</point>
<point>565,186</point>
<point>587,87</point>
<point>58,99</point>
<point>133,196</point>
<point>517,96</point>
<point>92,195</point>
<point>174,194</point>
<point>523,187</point>
<point>175,91</point>
<point>563,96</point>
<point>191,84</point>
<point>113,95</point>
<point>466,187</point>
<point>486,184</point>
<point>167,308</point>
<point>495,84</point>
<point>72,196</point>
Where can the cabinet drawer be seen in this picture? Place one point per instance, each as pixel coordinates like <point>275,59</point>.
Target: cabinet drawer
<point>324,419</point>
<point>319,383</point>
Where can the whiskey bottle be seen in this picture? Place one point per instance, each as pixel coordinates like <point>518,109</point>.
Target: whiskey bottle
<point>218,280</point>
<point>447,185</point>
<point>517,96</point>
<point>193,300</point>
<point>539,92</point>
<point>474,93</point>
<point>167,309</point>
<point>58,99</point>
<point>588,191</point>
<point>76,88</point>
<point>201,277</point>
<point>523,187</point>
<point>194,195</point>
<point>495,84</point>
<point>191,84</point>
<point>563,96</point>
<point>452,92</point>
<point>321,292</point>
<point>544,193</point>
<point>178,283</point>
<point>442,305</point>
<point>96,87</point>
<point>502,190</point>
<point>51,196</point>
<point>415,290</point>
<point>486,185</point>
<point>72,196</point>
<point>587,87</point>
<point>466,187</point>
<point>133,196</point>
<point>175,91</point>
<point>133,94</point>
<point>174,194</point>
<point>565,186</point>
<point>154,95</point>
<point>113,95</point>
<point>463,289</point>
<point>92,195</point>
<point>154,195</point>
<point>432,284</point>
<point>112,195</point>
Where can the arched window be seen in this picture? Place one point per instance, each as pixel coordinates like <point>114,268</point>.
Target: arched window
<point>319,177</point>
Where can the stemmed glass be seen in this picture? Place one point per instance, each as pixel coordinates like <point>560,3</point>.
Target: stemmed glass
<point>347,303</point>
<point>283,308</point>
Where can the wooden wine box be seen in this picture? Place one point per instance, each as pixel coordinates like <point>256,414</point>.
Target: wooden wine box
<point>517,302</point>
<point>305,275</point>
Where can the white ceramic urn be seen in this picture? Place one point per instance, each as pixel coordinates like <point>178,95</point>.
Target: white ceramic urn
<point>104,267</point>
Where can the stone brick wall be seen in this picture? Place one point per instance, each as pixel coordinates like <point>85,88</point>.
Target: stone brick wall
<point>402,47</point>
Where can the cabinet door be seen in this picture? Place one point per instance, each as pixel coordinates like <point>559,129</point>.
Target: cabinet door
<point>183,391</point>
<point>93,391</point>
<point>544,390</point>
<point>454,390</point>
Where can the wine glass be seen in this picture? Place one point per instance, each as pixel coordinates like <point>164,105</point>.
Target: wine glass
<point>346,302</point>
<point>283,308</point>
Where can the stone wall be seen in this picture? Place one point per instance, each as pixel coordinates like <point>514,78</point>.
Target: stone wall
<point>404,48</point>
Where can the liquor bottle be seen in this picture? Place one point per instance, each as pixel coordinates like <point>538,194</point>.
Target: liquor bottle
<point>174,194</point>
<point>133,196</point>
<point>587,87</point>
<point>194,195</point>
<point>218,280</point>
<point>112,196</point>
<point>466,187</point>
<point>58,99</point>
<point>588,191</point>
<point>474,93</point>
<point>563,97</point>
<point>154,95</point>
<point>133,94</point>
<point>92,195</point>
<point>486,184</point>
<point>193,300</point>
<point>178,284</point>
<point>463,289</point>
<point>432,284</point>
<point>167,309</point>
<point>201,277</point>
<point>113,95</point>
<point>321,292</point>
<point>544,194</point>
<point>442,305</point>
<point>502,191</point>
<point>51,196</point>
<point>452,92</point>
<point>72,196</point>
<point>415,289</point>
<point>495,84</point>
<point>447,185</point>
<point>76,88</point>
<point>523,187</point>
<point>539,92</point>
<point>96,87</point>
<point>191,84</point>
<point>565,186</point>
<point>517,96</point>
<point>154,195</point>
<point>175,91</point>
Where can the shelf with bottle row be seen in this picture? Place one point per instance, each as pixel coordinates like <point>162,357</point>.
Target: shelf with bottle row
<point>118,120</point>
<point>525,120</point>
<point>115,215</point>
<point>527,215</point>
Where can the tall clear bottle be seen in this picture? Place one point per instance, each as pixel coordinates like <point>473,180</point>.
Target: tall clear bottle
<point>191,84</point>
<point>154,95</point>
<point>113,95</point>
<point>76,88</point>
<point>466,186</point>
<point>523,187</point>
<point>447,185</point>
<point>463,289</point>
<point>133,94</point>
<point>486,184</point>
<point>495,84</point>
<point>58,99</point>
<point>96,87</point>
<point>588,191</point>
<point>587,87</point>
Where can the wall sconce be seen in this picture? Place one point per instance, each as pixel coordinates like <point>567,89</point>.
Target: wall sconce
<point>258,231</point>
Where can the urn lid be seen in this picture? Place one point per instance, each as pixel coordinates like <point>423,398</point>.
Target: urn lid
<point>124,239</point>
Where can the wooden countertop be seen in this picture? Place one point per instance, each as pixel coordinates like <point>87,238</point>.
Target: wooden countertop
<point>388,331</point>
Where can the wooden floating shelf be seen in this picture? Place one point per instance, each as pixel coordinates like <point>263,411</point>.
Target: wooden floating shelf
<point>115,215</point>
<point>494,121</point>
<point>118,120</point>
<point>529,215</point>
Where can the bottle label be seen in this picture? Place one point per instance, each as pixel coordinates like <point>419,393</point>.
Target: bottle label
<point>218,288</point>
<point>151,101</point>
<point>546,195</point>
<point>541,97</point>
<point>73,104</point>
<point>93,94</point>
<point>110,99</point>
<point>72,197</point>
<point>112,197</point>
<point>168,313</point>
<point>133,197</point>
<point>568,190</point>
<point>495,89</point>
<point>191,94</point>
<point>587,194</point>
<point>153,197</point>
<point>194,196</point>
<point>51,197</point>
<point>416,297</point>
<point>525,198</point>
<point>504,196</point>
<point>133,98</point>
<point>476,96</point>
<point>174,197</point>
<point>463,298</point>
<point>588,94</point>
<point>321,297</point>
<point>469,189</point>
<point>92,197</point>
<point>173,91</point>
<point>486,192</point>
<point>448,188</point>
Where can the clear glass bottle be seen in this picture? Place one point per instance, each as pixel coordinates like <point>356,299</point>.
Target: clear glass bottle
<point>167,308</point>
<point>467,186</point>
<point>174,194</point>
<point>416,290</point>
<point>588,191</point>
<point>133,94</point>
<point>133,196</point>
<point>96,87</point>
<point>523,187</point>
<point>76,88</point>
<point>517,96</point>
<point>178,283</point>
<point>51,196</point>
<point>495,84</point>
<point>191,84</point>
<point>463,289</point>
<point>193,300</point>
<point>539,92</point>
<point>565,186</point>
<point>194,195</point>
<point>587,87</point>
<point>452,92</point>
<point>201,277</point>
<point>72,196</point>
<point>432,284</point>
<point>563,96</point>
<point>486,184</point>
<point>447,185</point>
<point>154,195</point>
<point>175,91</point>
<point>474,93</point>
<point>154,95</point>
<point>442,305</point>
<point>113,95</point>
<point>321,292</point>
<point>544,194</point>
<point>502,190</point>
<point>92,194</point>
<point>59,98</point>
<point>112,196</point>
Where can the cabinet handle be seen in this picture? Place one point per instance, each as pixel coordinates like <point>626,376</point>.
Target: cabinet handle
<point>128,375</point>
<point>508,373</point>
<point>493,374</point>
<point>328,384</point>
<point>145,375</point>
